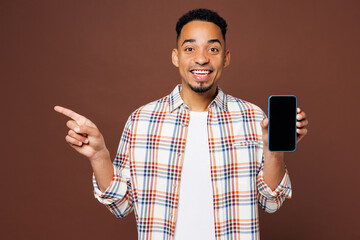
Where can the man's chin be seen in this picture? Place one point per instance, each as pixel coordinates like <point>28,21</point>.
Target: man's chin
<point>200,89</point>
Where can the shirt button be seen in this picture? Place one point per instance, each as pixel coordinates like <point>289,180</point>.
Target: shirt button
<point>174,185</point>
<point>183,124</point>
<point>179,154</point>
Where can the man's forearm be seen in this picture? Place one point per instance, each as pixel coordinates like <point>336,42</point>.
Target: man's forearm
<point>274,168</point>
<point>103,170</point>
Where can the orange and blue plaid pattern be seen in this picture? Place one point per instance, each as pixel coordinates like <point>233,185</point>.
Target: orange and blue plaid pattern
<point>147,167</point>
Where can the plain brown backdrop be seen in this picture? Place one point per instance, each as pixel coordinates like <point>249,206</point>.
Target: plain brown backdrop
<point>104,59</point>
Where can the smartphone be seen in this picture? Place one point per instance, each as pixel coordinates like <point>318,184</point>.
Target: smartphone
<point>282,110</point>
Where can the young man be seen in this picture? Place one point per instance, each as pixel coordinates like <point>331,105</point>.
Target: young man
<point>196,159</point>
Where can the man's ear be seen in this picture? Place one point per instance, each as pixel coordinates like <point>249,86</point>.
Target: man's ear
<point>227,58</point>
<point>175,57</point>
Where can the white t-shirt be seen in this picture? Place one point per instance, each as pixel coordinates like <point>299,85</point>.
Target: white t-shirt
<point>195,215</point>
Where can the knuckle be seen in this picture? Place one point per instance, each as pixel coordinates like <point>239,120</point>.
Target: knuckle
<point>77,129</point>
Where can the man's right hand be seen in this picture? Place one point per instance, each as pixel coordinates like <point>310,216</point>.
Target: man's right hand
<point>83,135</point>
<point>86,138</point>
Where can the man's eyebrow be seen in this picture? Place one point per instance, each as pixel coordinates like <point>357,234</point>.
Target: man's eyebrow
<point>214,40</point>
<point>188,40</point>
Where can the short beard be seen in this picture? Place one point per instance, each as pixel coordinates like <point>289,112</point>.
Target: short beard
<point>200,89</point>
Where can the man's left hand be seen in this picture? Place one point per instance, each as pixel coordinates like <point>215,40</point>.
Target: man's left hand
<point>301,129</point>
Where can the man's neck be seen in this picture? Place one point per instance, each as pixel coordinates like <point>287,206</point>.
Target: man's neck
<point>197,102</point>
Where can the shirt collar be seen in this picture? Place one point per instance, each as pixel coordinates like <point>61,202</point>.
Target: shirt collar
<point>176,101</point>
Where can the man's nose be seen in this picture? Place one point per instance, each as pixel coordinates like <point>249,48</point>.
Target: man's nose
<point>201,58</point>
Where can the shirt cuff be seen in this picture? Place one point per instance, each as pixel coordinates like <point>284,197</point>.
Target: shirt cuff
<point>282,190</point>
<point>108,196</point>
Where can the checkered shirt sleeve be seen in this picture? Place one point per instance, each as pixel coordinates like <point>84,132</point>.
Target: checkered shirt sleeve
<point>118,196</point>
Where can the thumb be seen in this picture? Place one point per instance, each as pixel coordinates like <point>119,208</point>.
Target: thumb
<point>264,123</point>
<point>85,129</point>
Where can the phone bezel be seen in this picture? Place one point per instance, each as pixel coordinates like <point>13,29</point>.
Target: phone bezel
<point>269,99</point>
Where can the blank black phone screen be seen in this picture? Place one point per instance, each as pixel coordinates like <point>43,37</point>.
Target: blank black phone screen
<point>282,123</point>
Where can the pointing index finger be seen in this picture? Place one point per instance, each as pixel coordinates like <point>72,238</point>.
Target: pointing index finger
<point>71,114</point>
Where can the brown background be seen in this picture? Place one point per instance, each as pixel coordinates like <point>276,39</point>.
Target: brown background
<point>104,59</point>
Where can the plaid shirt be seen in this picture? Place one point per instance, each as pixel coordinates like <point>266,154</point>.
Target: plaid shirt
<point>147,167</point>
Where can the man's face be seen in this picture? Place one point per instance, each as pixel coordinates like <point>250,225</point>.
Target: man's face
<point>200,55</point>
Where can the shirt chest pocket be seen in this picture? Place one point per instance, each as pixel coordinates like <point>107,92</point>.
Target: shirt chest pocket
<point>247,150</point>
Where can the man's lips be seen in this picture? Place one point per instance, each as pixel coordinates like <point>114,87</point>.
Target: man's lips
<point>201,71</point>
<point>201,74</point>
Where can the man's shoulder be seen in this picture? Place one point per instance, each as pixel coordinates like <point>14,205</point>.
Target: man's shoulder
<point>159,105</point>
<point>236,104</point>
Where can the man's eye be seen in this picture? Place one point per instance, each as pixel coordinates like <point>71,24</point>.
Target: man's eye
<point>214,49</point>
<point>188,49</point>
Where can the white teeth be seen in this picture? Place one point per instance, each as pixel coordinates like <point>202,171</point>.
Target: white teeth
<point>201,72</point>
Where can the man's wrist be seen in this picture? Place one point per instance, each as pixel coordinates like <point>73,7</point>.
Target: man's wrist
<point>273,156</point>
<point>274,168</point>
<point>100,156</point>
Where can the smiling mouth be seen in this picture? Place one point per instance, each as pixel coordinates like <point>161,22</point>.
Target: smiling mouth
<point>201,72</point>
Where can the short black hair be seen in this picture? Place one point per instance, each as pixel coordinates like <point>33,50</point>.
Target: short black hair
<point>201,14</point>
